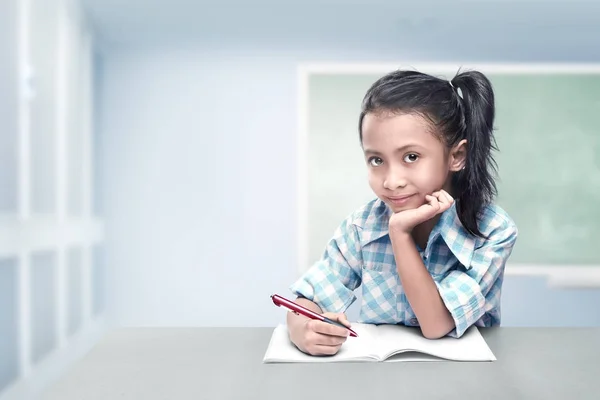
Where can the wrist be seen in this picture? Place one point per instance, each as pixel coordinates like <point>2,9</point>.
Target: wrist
<point>400,231</point>
<point>400,235</point>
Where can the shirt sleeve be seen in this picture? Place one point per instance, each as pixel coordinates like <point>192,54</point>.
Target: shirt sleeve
<point>470,292</point>
<point>330,282</point>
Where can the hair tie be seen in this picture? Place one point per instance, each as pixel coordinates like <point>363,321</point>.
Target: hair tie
<point>457,89</point>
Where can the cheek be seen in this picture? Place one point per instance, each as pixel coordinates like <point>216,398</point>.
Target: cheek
<point>431,176</point>
<point>374,180</point>
<point>371,177</point>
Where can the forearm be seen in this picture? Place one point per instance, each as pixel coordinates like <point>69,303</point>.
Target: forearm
<point>295,320</point>
<point>420,289</point>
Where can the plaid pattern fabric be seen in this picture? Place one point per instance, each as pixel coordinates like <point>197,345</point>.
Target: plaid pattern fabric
<point>467,270</point>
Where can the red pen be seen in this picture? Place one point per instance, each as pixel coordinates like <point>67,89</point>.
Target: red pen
<point>298,309</point>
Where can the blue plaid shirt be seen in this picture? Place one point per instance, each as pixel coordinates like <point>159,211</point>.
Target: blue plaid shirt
<point>467,270</point>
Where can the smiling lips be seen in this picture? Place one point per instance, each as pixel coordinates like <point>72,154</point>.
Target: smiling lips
<point>400,200</point>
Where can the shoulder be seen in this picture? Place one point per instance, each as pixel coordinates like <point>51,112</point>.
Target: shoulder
<point>496,224</point>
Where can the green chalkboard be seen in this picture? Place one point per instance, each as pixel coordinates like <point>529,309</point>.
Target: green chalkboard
<point>549,164</point>
<point>548,134</point>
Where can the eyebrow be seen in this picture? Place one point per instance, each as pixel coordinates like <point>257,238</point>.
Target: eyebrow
<point>398,150</point>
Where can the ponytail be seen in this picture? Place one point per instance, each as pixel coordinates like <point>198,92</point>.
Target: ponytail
<point>475,184</point>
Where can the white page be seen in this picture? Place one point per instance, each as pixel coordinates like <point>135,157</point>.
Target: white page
<point>361,348</point>
<point>470,347</point>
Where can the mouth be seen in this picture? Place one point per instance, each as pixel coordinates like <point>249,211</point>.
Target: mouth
<point>400,200</point>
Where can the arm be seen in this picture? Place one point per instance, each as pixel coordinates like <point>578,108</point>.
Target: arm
<point>421,291</point>
<point>473,291</point>
<point>467,293</point>
<point>327,289</point>
<point>330,282</point>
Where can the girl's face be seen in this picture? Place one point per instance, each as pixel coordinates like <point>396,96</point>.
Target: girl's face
<point>405,160</point>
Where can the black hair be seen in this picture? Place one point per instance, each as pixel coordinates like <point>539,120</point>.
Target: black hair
<point>462,108</point>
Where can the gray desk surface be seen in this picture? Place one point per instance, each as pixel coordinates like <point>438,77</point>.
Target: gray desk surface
<point>226,363</point>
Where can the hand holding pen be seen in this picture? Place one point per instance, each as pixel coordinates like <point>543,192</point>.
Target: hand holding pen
<point>317,334</point>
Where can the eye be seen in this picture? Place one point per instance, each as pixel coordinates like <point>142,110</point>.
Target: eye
<point>411,158</point>
<point>375,161</point>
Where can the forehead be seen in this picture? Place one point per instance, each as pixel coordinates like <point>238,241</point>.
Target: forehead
<point>383,131</point>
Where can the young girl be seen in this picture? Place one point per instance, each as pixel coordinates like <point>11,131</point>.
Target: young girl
<point>430,250</point>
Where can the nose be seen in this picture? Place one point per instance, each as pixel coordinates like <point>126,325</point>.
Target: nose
<point>394,179</point>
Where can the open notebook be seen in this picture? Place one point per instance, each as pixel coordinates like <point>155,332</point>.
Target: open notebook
<point>385,343</point>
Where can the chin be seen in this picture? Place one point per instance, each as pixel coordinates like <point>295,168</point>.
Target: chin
<point>396,208</point>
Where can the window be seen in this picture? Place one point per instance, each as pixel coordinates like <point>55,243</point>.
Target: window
<point>49,236</point>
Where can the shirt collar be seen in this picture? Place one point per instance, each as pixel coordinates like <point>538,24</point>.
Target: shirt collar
<point>461,243</point>
<point>374,222</point>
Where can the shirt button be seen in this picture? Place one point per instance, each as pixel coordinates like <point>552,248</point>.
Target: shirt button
<point>414,321</point>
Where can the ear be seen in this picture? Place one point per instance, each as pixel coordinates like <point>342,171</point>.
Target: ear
<point>458,156</point>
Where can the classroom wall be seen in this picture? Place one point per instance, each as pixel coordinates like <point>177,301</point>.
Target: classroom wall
<point>198,161</point>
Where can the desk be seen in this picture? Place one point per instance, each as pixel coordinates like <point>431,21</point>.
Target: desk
<point>226,363</point>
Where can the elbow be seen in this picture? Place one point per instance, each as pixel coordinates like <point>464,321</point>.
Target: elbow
<point>432,334</point>
<point>438,331</point>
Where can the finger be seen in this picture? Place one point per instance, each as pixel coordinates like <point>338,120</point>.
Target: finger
<point>447,196</point>
<point>342,318</point>
<point>325,340</point>
<point>442,197</point>
<point>424,213</point>
<point>447,203</point>
<point>442,202</point>
<point>430,200</point>
<point>321,350</point>
<point>427,210</point>
<point>339,317</point>
<point>434,203</point>
<point>327,329</point>
<point>437,207</point>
